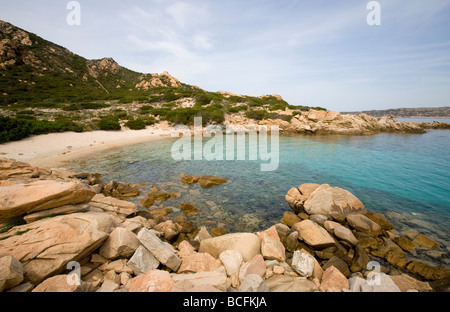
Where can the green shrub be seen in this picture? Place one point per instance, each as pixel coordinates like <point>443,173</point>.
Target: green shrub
<point>238,109</point>
<point>257,114</point>
<point>136,124</point>
<point>108,123</point>
<point>287,118</point>
<point>14,129</point>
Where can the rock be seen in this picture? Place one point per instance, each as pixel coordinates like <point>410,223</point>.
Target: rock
<point>428,272</point>
<point>360,259</point>
<point>285,283</point>
<point>169,228</point>
<point>326,253</point>
<point>271,246</point>
<point>142,261</point>
<point>162,211</point>
<point>283,231</point>
<point>216,279</point>
<point>152,281</point>
<point>278,270</point>
<point>313,234</point>
<point>367,241</point>
<point>318,218</point>
<point>328,200</point>
<point>379,219</point>
<point>120,207</point>
<point>341,232</point>
<point>198,262</point>
<point>185,249</point>
<point>355,283</point>
<point>246,243</point>
<point>232,260</point>
<point>290,218</point>
<point>118,266</point>
<point>45,247</point>
<point>424,242</point>
<point>220,231</point>
<point>11,168</point>
<point>405,282</point>
<point>292,241</point>
<point>303,263</point>
<point>188,209</point>
<point>108,286</point>
<point>64,210</point>
<point>295,200</point>
<point>253,283</point>
<point>59,283</point>
<point>387,247</point>
<point>209,181</point>
<point>405,243</point>
<point>361,223</point>
<point>381,283</point>
<point>203,234</point>
<point>411,233</point>
<point>397,260</point>
<point>189,178</point>
<point>339,264</point>
<point>161,252</point>
<point>19,199</point>
<point>121,243</point>
<point>22,288</point>
<point>256,265</point>
<point>136,224</point>
<point>333,279</point>
<point>11,273</point>
<point>307,189</point>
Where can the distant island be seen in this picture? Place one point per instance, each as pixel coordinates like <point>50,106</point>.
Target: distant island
<point>420,112</point>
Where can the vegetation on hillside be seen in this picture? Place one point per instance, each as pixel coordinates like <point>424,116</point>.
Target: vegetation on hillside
<point>45,88</point>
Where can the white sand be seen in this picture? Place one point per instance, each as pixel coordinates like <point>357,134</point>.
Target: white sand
<point>57,149</point>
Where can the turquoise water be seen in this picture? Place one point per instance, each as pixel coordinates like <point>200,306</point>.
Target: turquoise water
<point>406,176</point>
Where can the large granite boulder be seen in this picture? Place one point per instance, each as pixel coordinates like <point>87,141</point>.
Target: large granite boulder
<point>247,244</point>
<point>45,247</point>
<point>20,199</point>
<point>313,234</point>
<point>329,200</point>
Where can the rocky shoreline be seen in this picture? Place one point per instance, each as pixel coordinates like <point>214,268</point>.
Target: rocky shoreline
<point>333,122</point>
<point>57,226</point>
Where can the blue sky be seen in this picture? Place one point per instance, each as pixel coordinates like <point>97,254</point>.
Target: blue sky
<point>311,52</point>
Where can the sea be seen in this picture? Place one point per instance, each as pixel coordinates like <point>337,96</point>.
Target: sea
<point>404,176</point>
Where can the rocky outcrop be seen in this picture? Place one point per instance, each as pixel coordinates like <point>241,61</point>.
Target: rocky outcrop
<point>45,247</point>
<point>20,199</point>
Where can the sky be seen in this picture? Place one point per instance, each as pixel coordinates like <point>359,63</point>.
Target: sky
<point>311,52</point>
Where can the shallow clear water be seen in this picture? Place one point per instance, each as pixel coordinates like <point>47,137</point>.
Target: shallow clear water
<point>406,176</point>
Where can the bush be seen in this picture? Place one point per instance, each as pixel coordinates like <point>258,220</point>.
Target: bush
<point>136,124</point>
<point>287,118</point>
<point>238,109</point>
<point>109,123</point>
<point>257,114</point>
<point>14,129</point>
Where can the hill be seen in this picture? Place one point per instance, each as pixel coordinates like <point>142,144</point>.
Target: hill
<point>46,88</point>
<point>422,112</point>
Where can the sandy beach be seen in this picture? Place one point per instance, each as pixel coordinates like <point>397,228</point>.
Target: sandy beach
<point>57,149</point>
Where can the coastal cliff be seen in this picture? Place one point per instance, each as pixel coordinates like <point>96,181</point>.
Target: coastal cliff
<point>58,226</point>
